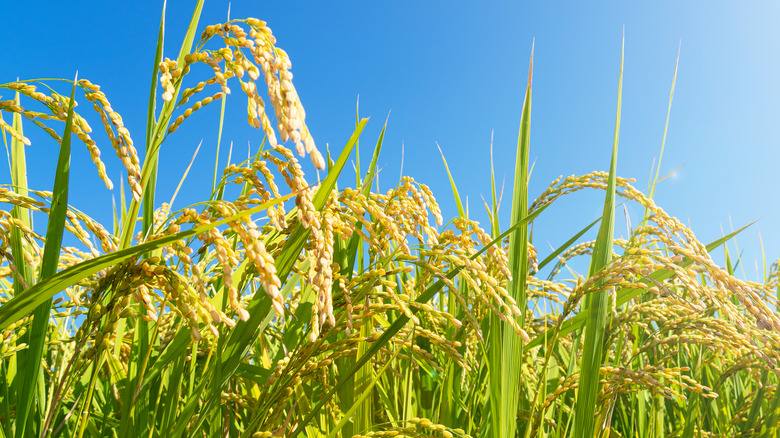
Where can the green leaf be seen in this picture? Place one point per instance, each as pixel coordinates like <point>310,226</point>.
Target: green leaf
<point>506,374</point>
<point>597,303</point>
<point>51,256</point>
<point>461,212</point>
<point>149,168</point>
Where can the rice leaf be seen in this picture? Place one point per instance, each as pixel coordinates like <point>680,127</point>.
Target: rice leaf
<point>568,243</point>
<point>651,192</point>
<point>149,168</point>
<point>597,302</point>
<point>25,275</point>
<point>461,212</point>
<point>506,387</point>
<point>51,256</point>
<point>363,396</point>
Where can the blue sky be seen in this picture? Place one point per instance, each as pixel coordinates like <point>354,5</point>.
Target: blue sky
<point>452,73</point>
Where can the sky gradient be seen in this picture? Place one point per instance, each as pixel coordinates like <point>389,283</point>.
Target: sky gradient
<point>452,73</point>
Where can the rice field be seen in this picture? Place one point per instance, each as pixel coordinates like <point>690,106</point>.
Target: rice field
<point>292,304</point>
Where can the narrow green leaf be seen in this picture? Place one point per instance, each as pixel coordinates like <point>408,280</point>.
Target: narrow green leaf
<point>461,212</point>
<point>651,193</point>
<point>371,173</point>
<point>568,243</point>
<point>494,226</point>
<point>365,394</point>
<point>509,380</point>
<point>597,303</point>
<point>51,256</point>
<point>26,275</point>
<point>149,168</point>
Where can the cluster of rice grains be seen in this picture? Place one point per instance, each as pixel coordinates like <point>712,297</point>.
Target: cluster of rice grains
<point>57,106</point>
<point>418,427</point>
<point>404,255</point>
<point>670,304</point>
<point>262,58</point>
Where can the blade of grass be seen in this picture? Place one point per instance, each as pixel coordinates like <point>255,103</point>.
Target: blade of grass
<point>597,303</point>
<point>216,154</point>
<point>651,192</point>
<point>184,176</point>
<point>148,170</point>
<point>141,327</point>
<point>508,393</point>
<point>158,53</point>
<point>371,172</point>
<point>494,226</point>
<point>51,256</point>
<point>461,212</point>
<point>365,394</point>
<point>25,275</point>
<point>568,243</point>
<point>449,390</point>
<point>348,252</point>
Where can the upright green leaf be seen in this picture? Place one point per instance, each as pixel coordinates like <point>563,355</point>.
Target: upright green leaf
<point>149,167</point>
<point>26,276</point>
<point>51,257</point>
<point>651,192</point>
<point>506,347</point>
<point>597,302</point>
<point>461,212</point>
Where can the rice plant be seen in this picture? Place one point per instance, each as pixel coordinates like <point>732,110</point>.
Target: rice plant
<point>311,309</point>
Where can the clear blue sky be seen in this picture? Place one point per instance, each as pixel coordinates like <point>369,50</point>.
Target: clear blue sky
<point>452,72</point>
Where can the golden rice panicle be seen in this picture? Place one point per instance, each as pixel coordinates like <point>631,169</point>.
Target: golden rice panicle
<point>264,59</point>
<point>58,106</point>
<point>488,273</point>
<point>250,176</point>
<point>263,262</point>
<point>121,141</point>
<point>275,67</point>
<point>681,242</point>
<point>188,112</point>
<point>292,172</point>
<point>73,225</point>
<point>14,133</point>
<point>320,268</point>
<point>167,67</point>
<point>226,257</point>
<point>431,203</point>
<point>11,106</point>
